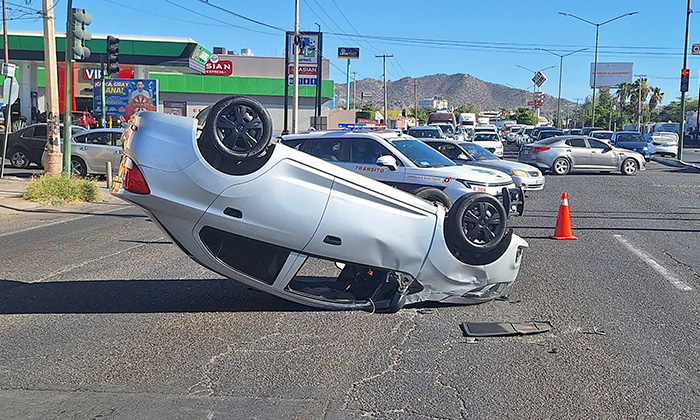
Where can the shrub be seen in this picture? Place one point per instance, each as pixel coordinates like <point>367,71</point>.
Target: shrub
<point>57,189</point>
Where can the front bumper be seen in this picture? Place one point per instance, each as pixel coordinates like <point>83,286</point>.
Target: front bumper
<point>530,183</point>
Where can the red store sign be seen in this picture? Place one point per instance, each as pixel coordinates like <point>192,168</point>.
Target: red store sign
<point>304,70</point>
<point>220,68</point>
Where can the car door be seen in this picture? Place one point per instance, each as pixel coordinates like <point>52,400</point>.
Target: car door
<point>602,156</point>
<point>35,141</point>
<point>362,158</point>
<point>117,149</point>
<point>96,150</point>
<point>578,151</point>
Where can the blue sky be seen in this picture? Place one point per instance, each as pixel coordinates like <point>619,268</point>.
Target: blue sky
<point>503,33</point>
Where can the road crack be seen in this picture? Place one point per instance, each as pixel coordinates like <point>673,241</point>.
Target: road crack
<point>206,386</point>
<point>681,263</point>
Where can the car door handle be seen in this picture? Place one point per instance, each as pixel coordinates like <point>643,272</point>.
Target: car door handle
<point>118,152</point>
<point>333,240</point>
<point>83,148</point>
<point>568,150</point>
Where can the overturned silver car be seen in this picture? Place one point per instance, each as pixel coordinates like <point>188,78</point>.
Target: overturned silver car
<point>290,224</point>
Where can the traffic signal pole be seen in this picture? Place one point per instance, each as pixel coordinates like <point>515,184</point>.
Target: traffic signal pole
<point>103,119</point>
<point>681,130</point>
<point>68,91</point>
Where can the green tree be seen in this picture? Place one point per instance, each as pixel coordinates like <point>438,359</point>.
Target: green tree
<point>657,96</point>
<point>524,116</point>
<point>371,108</point>
<point>422,114</point>
<point>468,108</point>
<point>672,111</point>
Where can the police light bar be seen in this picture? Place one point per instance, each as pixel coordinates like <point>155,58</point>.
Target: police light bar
<point>360,126</point>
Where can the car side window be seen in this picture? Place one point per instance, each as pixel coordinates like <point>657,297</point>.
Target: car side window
<point>79,139</point>
<point>576,142</point>
<point>117,139</point>
<point>39,132</point>
<point>98,138</point>
<point>597,144</point>
<point>449,150</point>
<point>367,151</point>
<point>330,150</point>
<point>27,134</point>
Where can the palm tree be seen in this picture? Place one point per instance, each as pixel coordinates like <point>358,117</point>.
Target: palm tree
<point>624,90</point>
<point>657,96</point>
<point>640,91</point>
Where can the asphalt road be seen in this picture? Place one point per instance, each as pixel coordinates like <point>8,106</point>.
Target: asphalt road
<point>102,317</point>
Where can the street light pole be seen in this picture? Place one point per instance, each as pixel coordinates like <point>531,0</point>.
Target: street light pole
<point>595,61</point>
<point>295,106</point>
<point>561,66</point>
<point>639,101</point>
<point>685,65</point>
<point>386,97</point>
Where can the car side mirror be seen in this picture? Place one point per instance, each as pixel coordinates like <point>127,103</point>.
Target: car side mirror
<point>388,161</point>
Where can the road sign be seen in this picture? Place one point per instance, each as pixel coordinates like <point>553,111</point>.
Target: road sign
<point>696,49</point>
<point>348,52</point>
<point>539,79</point>
<point>303,81</point>
<point>6,90</point>
<point>198,58</point>
<point>8,69</point>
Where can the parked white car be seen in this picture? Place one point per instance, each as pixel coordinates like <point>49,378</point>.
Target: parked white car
<point>91,150</point>
<point>664,144</point>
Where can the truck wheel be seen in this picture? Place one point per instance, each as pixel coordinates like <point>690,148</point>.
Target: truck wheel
<point>239,127</point>
<point>476,223</point>
<point>433,195</point>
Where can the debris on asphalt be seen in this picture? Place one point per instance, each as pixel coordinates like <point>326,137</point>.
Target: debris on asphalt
<point>472,340</point>
<point>553,350</point>
<point>595,331</point>
<point>426,311</point>
<point>504,298</point>
<point>503,329</point>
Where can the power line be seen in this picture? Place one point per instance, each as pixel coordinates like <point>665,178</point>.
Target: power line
<point>216,20</point>
<point>231,12</point>
<point>150,13</point>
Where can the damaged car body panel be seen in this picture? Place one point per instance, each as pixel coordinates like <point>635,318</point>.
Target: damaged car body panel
<point>295,226</point>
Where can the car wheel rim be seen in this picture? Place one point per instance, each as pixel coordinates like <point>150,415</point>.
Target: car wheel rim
<point>481,223</point>
<point>630,167</point>
<point>19,159</point>
<point>561,166</point>
<point>240,128</point>
<point>76,168</point>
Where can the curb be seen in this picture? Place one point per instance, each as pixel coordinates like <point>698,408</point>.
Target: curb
<point>674,162</point>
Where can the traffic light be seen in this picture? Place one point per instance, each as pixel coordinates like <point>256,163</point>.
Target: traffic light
<point>112,55</point>
<point>80,19</point>
<point>685,76</point>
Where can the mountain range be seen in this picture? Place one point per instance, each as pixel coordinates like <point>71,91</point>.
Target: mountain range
<point>457,89</point>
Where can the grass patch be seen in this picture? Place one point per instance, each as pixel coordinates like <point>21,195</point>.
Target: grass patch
<point>57,189</point>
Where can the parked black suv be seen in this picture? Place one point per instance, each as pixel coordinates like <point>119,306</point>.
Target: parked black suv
<point>26,146</point>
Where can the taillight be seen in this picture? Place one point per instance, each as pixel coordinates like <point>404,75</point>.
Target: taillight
<point>538,149</point>
<point>132,178</point>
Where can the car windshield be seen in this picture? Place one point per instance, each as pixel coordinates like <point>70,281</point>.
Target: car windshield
<point>423,133</point>
<point>630,137</point>
<point>421,154</point>
<point>548,134</point>
<point>446,128</point>
<point>603,136</point>
<point>486,137</point>
<point>528,130</point>
<point>477,152</point>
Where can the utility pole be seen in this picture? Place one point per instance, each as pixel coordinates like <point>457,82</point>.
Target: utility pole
<point>295,106</point>
<point>561,72</point>
<point>8,104</point>
<point>386,97</point>
<point>681,134</point>
<point>347,87</point>
<point>415,100</point>
<point>354,89</point>
<point>319,79</point>
<point>52,162</point>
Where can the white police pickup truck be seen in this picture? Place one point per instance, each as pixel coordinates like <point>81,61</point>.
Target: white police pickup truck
<point>406,163</point>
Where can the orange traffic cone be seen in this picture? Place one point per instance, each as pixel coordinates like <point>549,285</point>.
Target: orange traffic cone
<point>563,228</point>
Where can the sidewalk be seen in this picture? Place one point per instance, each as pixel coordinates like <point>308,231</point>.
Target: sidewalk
<point>691,158</point>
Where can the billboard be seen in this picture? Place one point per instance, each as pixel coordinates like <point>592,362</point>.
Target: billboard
<point>612,74</point>
<point>198,58</point>
<point>216,66</point>
<point>125,96</point>
<point>308,47</point>
<point>348,52</point>
<point>175,108</point>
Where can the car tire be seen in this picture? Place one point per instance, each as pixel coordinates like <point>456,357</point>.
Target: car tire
<point>629,167</point>
<point>475,224</point>
<point>433,195</point>
<point>19,158</point>
<point>561,166</point>
<point>239,127</point>
<point>78,167</point>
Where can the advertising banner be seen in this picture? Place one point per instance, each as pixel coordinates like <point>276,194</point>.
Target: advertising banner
<point>218,67</point>
<point>308,47</point>
<point>612,74</point>
<point>348,52</point>
<point>305,70</point>
<point>198,58</point>
<point>126,96</point>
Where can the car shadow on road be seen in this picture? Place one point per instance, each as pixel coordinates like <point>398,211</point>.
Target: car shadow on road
<point>108,213</point>
<point>138,296</point>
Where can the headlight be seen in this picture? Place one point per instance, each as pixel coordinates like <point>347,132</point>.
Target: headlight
<point>520,173</point>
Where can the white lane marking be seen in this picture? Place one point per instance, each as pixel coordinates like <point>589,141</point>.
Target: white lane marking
<point>672,278</point>
<point>58,222</point>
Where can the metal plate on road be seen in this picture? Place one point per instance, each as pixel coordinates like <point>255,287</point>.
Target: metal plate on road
<point>696,49</point>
